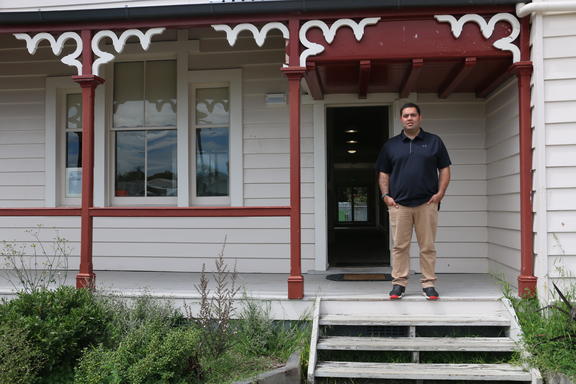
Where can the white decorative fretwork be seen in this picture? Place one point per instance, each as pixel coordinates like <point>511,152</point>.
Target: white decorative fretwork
<point>329,34</point>
<point>119,43</point>
<point>487,28</point>
<point>259,35</point>
<point>57,45</point>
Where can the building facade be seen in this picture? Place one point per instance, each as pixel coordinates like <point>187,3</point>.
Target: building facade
<point>150,134</point>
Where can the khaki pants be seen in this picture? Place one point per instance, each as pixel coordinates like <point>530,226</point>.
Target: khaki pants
<point>424,219</point>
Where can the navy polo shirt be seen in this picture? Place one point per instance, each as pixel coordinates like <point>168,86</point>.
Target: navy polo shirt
<point>413,166</point>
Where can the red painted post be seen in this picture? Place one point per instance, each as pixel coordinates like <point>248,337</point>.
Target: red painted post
<point>526,279</point>
<point>295,280</point>
<point>294,73</point>
<point>86,277</point>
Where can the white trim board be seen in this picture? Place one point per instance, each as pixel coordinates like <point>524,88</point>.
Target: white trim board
<point>320,203</point>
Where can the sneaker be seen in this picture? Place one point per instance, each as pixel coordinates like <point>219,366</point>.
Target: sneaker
<point>430,293</point>
<point>397,292</point>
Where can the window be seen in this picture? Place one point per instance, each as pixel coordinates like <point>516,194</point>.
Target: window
<point>73,147</point>
<point>211,135</point>
<point>144,132</point>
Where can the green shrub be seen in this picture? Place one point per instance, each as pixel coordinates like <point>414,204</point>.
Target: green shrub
<point>59,324</point>
<point>548,335</point>
<point>127,316</point>
<point>19,360</point>
<point>151,354</point>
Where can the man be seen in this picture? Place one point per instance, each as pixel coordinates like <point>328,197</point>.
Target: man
<point>414,172</point>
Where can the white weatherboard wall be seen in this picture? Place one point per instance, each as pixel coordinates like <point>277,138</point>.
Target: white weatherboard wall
<point>462,232</point>
<point>503,182</point>
<point>559,58</point>
<point>253,244</point>
<point>22,80</point>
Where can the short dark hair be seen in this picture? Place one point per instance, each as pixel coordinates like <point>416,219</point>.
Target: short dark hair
<point>410,105</point>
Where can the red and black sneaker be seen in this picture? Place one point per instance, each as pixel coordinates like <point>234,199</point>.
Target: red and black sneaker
<point>397,292</point>
<point>430,293</point>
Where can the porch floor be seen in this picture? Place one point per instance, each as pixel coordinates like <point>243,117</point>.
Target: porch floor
<point>274,286</point>
<point>180,287</point>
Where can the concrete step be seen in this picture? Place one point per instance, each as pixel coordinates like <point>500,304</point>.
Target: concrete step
<point>412,371</point>
<point>464,344</point>
<point>415,320</point>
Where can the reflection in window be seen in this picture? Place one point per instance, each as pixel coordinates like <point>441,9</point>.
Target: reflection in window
<point>352,204</point>
<point>146,163</point>
<point>212,120</point>
<point>145,99</point>
<point>212,162</point>
<point>73,156</point>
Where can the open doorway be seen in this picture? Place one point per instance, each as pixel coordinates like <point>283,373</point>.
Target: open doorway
<point>357,218</point>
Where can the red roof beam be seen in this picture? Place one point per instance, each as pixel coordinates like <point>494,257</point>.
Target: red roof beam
<point>495,83</point>
<point>313,80</point>
<point>460,76</point>
<point>411,78</point>
<point>364,78</point>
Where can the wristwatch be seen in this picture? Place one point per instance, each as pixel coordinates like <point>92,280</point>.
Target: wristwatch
<point>385,194</point>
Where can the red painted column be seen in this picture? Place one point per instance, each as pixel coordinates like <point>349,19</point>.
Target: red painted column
<point>295,280</point>
<point>526,279</point>
<point>86,277</point>
<point>523,69</point>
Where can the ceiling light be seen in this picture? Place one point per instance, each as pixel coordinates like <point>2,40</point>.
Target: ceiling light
<point>352,142</point>
<point>352,151</point>
<point>351,131</point>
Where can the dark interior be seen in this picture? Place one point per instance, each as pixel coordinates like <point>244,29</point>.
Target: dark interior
<point>357,219</point>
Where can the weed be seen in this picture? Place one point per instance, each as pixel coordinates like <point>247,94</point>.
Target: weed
<point>216,310</point>
<point>548,336</point>
<point>37,266</point>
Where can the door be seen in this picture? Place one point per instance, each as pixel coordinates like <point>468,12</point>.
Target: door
<point>357,219</point>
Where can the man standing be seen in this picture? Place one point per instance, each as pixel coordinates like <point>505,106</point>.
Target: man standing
<point>414,172</point>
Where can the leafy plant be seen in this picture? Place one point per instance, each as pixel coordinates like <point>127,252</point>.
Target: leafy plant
<point>59,324</point>
<point>549,334</point>
<point>19,359</point>
<point>150,354</point>
<point>36,266</point>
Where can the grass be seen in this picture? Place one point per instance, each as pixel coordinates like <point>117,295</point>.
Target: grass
<point>549,336</point>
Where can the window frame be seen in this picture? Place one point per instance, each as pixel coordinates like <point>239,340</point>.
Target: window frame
<point>137,200</point>
<point>232,79</point>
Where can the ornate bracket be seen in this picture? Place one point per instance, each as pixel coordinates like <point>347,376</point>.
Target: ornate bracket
<point>57,45</point>
<point>119,43</point>
<point>329,34</point>
<point>487,28</point>
<point>259,35</point>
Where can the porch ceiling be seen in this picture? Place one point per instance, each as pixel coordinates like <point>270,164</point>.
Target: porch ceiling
<point>477,75</point>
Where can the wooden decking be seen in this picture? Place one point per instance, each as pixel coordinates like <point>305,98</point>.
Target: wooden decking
<point>273,288</point>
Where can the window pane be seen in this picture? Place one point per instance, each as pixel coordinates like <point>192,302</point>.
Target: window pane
<point>130,167</point>
<point>360,203</point>
<point>73,164</point>
<point>74,111</point>
<point>162,163</point>
<point>212,106</point>
<point>212,162</point>
<point>73,149</point>
<point>160,93</point>
<point>129,95</point>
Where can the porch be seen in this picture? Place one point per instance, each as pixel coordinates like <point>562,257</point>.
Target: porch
<point>275,215</point>
<point>271,287</point>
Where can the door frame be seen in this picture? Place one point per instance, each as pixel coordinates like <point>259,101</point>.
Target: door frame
<point>319,107</point>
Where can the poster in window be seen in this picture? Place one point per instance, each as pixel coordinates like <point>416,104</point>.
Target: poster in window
<point>73,182</point>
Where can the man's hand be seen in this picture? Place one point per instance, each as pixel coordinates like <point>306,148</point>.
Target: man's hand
<point>390,202</point>
<point>437,198</point>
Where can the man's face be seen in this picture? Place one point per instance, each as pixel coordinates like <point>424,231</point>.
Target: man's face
<point>410,119</point>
